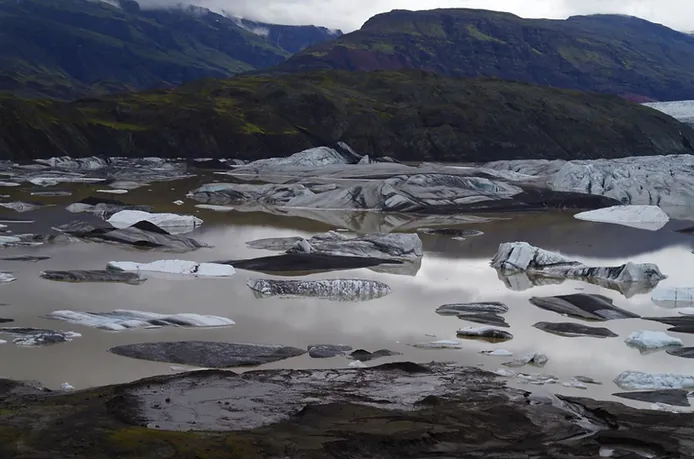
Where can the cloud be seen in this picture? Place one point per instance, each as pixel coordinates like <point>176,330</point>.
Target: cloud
<point>351,14</point>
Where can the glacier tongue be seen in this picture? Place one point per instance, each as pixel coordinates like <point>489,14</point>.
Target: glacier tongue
<point>665,181</point>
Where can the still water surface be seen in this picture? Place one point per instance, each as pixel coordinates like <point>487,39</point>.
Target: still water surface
<point>451,272</point>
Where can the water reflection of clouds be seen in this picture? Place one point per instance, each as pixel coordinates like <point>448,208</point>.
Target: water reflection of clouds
<point>451,271</point>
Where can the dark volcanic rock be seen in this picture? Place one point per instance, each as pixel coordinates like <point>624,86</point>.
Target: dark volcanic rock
<point>93,276</point>
<point>571,330</point>
<point>208,353</point>
<point>330,289</point>
<point>487,319</point>
<point>491,307</point>
<point>304,262</point>
<point>29,258</point>
<point>399,410</point>
<point>324,351</point>
<point>674,397</point>
<point>685,352</point>
<point>583,306</point>
<point>364,355</point>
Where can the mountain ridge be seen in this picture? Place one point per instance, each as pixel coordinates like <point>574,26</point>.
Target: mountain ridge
<point>612,54</point>
<point>410,115</point>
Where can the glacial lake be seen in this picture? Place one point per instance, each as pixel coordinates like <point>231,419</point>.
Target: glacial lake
<point>451,271</point>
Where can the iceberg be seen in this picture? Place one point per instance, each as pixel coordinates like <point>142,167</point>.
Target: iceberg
<point>652,340</point>
<point>126,319</point>
<point>19,206</point>
<point>638,380</point>
<point>572,330</point>
<point>534,358</point>
<point>486,333</point>
<point>172,223</point>
<point>6,277</point>
<point>93,276</point>
<point>583,306</point>
<point>34,337</point>
<point>490,307</point>
<point>651,218</point>
<point>521,257</point>
<point>672,297</point>
<point>208,354</point>
<point>112,191</point>
<point>665,181</point>
<point>330,289</point>
<point>184,267</point>
<point>397,246</point>
<point>440,344</point>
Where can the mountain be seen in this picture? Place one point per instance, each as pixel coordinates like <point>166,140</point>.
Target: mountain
<point>605,53</point>
<point>410,115</point>
<point>72,48</point>
<point>290,38</point>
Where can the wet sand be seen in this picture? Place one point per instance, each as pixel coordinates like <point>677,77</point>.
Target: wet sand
<point>451,271</point>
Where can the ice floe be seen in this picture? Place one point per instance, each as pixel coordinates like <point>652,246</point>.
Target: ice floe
<point>485,333</point>
<point>330,289</point>
<point>125,319</point>
<point>93,276</point>
<point>208,354</point>
<point>172,223</point>
<point>112,191</point>
<point>6,277</point>
<point>440,344</point>
<point>399,247</point>
<point>638,380</point>
<point>583,306</point>
<point>673,297</point>
<point>521,257</point>
<point>652,340</point>
<point>185,267</point>
<point>647,217</point>
<point>35,337</point>
<point>572,330</point>
<point>454,309</point>
<point>19,206</point>
<point>213,207</point>
<point>535,358</point>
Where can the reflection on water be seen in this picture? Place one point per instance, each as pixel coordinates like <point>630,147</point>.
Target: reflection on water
<point>451,271</point>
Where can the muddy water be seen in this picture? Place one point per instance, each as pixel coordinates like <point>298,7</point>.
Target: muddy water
<point>451,271</point>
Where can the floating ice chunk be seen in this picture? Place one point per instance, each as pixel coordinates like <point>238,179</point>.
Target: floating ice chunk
<point>357,364</point>
<point>215,207</point>
<point>173,223</point>
<point>504,372</point>
<point>6,277</point>
<point>8,184</point>
<point>178,202</point>
<point>574,384</point>
<point>112,191</point>
<point>637,380</point>
<point>532,358</point>
<point>2,341</point>
<point>651,218</point>
<point>442,344</point>
<point>66,386</point>
<point>19,206</point>
<point>489,333</point>
<point>125,319</point>
<point>176,267</point>
<point>650,340</point>
<point>498,353</point>
<point>330,289</point>
<point>515,257</point>
<point>672,297</point>
<point>387,246</point>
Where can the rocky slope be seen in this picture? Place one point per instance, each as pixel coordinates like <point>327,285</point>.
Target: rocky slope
<point>605,53</point>
<point>395,410</point>
<point>410,115</point>
<point>72,48</point>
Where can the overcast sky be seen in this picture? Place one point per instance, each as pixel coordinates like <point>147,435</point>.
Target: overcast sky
<point>351,14</point>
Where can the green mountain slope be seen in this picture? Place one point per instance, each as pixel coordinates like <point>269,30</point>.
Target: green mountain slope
<point>72,48</point>
<point>604,53</point>
<point>411,115</point>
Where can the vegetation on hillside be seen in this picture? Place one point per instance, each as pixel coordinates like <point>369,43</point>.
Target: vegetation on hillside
<point>72,48</point>
<point>411,115</point>
<point>604,53</point>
